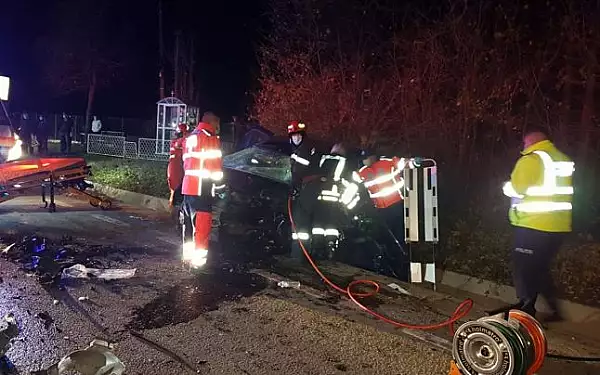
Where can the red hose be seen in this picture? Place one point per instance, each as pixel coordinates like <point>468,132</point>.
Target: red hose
<point>461,311</point>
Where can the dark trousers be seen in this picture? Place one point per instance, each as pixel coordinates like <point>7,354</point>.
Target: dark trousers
<point>392,235</point>
<point>65,143</point>
<point>301,217</point>
<point>531,257</point>
<point>312,216</point>
<point>43,145</point>
<point>177,197</point>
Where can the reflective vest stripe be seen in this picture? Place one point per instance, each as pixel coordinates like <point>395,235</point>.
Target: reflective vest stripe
<point>384,180</point>
<point>202,161</point>
<point>350,195</point>
<point>204,154</point>
<point>205,174</point>
<point>396,188</point>
<point>549,188</point>
<point>300,160</point>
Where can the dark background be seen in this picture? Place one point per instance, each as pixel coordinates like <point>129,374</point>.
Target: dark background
<point>226,33</point>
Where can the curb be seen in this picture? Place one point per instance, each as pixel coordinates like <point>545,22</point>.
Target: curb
<point>133,199</point>
<point>572,311</point>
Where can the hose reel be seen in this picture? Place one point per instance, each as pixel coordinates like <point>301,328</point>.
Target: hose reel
<point>504,344</point>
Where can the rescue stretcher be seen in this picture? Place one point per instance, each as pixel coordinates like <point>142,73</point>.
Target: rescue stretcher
<point>45,175</point>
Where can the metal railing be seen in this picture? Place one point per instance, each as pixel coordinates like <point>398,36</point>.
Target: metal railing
<point>145,148</point>
<point>108,145</point>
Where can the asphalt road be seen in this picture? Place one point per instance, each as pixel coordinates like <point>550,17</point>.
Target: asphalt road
<point>223,322</point>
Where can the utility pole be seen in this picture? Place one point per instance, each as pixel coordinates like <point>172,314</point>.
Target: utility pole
<point>177,70</point>
<point>161,46</point>
<point>191,71</point>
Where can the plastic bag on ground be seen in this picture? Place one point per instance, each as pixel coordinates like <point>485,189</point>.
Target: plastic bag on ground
<point>79,271</point>
<point>97,359</point>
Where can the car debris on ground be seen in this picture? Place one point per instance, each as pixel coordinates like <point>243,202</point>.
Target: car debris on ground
<point>97,359</point>
<point>53,262</point>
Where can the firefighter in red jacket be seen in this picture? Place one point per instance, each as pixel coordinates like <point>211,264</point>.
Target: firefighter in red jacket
<point>202,181</point>
<point>175,167</point>
<point>383,178</point>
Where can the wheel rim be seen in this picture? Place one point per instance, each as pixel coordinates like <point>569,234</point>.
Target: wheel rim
<point>481,348</point>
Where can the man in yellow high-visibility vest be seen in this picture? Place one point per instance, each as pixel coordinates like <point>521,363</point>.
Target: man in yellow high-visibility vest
<point>541,191</point>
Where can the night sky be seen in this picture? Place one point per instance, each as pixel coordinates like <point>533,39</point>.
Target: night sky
<point>226,33</point>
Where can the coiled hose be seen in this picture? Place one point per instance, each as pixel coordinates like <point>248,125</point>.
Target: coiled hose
<point>461,311</point>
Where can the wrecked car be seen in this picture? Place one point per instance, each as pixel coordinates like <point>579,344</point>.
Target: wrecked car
<point>259,179</point>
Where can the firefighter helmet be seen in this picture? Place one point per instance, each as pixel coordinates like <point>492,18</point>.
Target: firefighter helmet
<point>296,127</point>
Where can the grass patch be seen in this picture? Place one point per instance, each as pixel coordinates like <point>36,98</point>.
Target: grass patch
<point>140,176</point>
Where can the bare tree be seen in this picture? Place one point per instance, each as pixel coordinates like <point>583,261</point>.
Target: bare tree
<point>85,51</point>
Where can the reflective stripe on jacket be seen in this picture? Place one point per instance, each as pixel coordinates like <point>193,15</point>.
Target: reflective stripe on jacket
<point>202,163</point>
<point>384,181</point>
<point>342,180</point>
<point>541,189</point>
<point>303,162</point>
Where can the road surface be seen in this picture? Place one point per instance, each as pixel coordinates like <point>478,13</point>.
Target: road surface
<point>223,322</point>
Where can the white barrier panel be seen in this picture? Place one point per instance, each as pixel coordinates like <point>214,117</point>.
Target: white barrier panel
<point>421,220</point>
<point>430,204</point>
<point>411,204</point>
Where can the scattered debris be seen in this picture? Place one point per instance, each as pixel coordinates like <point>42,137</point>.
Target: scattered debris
<point>97,359</point>
<point>289,284</point>
<point>47,259</point>
<point>399,288</point>
<point>56,302</point>
<point>79,271</point>
<point>81,299</point>
<point>7,248</point>
<point>7,333</point>
<point>46,318</point>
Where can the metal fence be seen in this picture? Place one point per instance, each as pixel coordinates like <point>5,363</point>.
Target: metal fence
<point>144,148</point>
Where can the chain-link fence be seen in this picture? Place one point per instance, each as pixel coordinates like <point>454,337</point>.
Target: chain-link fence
<point>145,148</point>
<point>153,149</point>
<point>108,145</point>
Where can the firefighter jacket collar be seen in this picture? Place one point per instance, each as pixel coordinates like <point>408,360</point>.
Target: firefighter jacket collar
<point>206,127</point>
<point>541,145</point>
